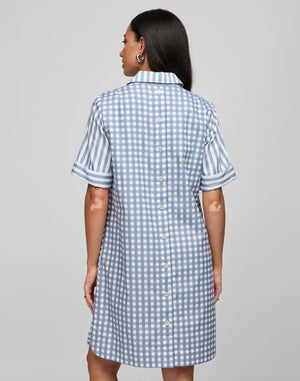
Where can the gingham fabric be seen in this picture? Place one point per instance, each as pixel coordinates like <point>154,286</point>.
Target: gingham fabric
<point>155,145</point>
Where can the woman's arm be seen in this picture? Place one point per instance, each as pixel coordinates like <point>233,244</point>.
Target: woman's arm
<point>95,210</point>
<point>214,214</point>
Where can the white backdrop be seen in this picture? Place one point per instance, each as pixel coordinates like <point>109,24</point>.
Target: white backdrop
<point>56,57</point>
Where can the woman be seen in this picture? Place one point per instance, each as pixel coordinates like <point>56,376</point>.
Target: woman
<point>149,147</point>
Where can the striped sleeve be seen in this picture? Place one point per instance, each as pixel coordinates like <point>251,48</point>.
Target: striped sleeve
<point>94,160</point>
<point>217,169</point>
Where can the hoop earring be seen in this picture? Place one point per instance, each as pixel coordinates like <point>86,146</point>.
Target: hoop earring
<point>139,59</point>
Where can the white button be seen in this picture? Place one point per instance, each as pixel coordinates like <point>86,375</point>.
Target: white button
<point>161,207</point>
<point>158,91</point>
<point>158,120</point>
<point>166,265</point>
<point>160,178</point>
<point>159,149</point>
<point>166,294</point>
<point>167,322</point>
<point>163,236</point>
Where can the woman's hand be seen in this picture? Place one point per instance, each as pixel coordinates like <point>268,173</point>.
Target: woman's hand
<point>89,287</point>
<point>217,283</point>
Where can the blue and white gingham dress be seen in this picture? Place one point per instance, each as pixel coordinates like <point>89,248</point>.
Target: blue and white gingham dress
<point>155,145</point>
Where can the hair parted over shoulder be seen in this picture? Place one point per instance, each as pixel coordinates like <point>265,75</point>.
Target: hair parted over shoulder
<point>166,41</point>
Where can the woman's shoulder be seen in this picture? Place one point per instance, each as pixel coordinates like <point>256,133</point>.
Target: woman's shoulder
<point>202,103</point>
<point>110,95</point>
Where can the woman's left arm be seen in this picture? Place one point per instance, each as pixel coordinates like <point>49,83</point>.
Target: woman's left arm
<point>95,210</point>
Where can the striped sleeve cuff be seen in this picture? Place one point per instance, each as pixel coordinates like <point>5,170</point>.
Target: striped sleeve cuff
<point>214,181</point>
<point>98,179</point>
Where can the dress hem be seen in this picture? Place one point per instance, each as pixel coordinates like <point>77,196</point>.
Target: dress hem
<point>116,359</point>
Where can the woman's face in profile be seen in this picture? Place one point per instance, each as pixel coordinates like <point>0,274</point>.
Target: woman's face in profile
<point>131,48</point>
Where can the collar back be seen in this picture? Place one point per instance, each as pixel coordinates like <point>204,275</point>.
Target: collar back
<point>156,77</point>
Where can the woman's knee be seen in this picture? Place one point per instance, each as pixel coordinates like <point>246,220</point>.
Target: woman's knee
<point>97,363</point>
<point>178,373</point>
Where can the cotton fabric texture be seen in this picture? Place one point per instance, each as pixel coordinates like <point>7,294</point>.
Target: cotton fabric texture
<point>154,145</point>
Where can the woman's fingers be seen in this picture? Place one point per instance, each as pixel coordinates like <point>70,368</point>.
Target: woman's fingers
<point>217,294</point>
<point>217,283</point>
<point>89,288</point>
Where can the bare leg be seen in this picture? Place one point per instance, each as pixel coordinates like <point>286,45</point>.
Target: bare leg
<point>178,373</point>
<point>101,369</point>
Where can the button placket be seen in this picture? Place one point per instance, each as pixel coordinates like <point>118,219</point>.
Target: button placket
<point>164,236</point>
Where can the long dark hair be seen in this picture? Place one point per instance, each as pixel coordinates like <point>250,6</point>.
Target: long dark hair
<point>166,41</point>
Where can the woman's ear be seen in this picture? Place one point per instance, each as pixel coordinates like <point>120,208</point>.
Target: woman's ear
<point>142,42</point>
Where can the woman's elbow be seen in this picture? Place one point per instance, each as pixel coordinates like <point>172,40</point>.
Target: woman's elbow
<point>96,198</point>
<point>213,200</point>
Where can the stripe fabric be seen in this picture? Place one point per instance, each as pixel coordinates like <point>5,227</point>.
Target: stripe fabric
<point>93,162</point>
<point>155,146</point>
<point>217,169</point>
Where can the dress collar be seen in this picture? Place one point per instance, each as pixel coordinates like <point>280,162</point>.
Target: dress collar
<point>156,77</point>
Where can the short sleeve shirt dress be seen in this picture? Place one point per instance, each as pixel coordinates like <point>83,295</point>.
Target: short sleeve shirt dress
<point>154,145</point>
